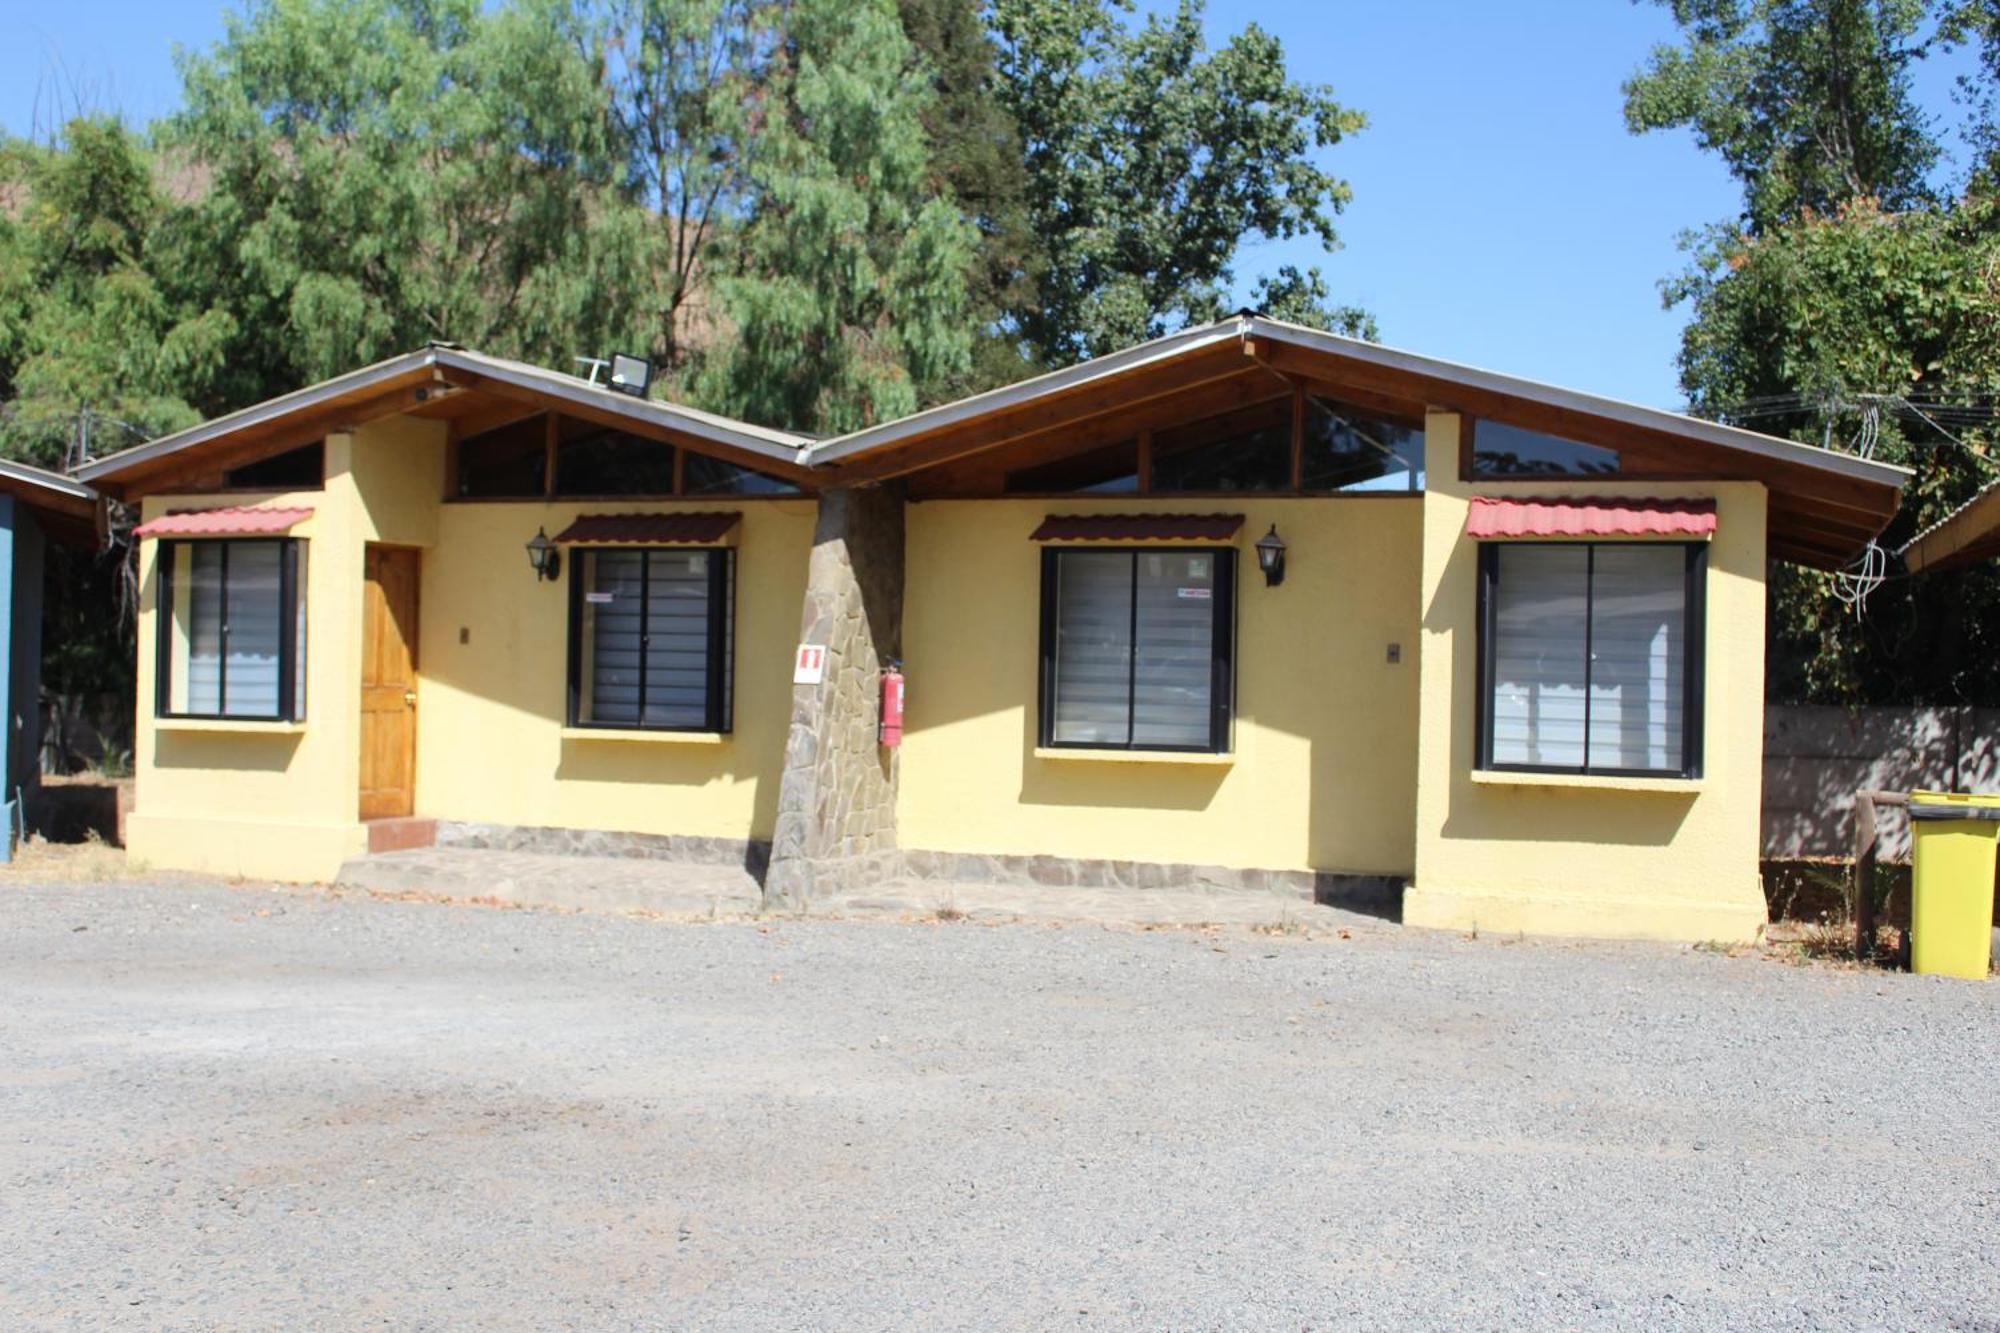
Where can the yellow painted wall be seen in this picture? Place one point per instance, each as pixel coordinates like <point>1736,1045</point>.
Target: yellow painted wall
<point>256,799</point>
<point>1326,729</point>
<point>281,802</point>
<point>1649,859</point>
<point>490,747</point>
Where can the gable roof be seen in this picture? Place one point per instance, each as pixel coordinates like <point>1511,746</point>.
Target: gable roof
<point>1824,506</point>
<point>429,376</point>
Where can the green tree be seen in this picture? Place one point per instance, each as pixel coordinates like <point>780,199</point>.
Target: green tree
<point>1808,101</point>
<point>1303,298</point>
<point>1863,322</point>
<point>847,289</point>
<point>975,153</point>
<point>1150,159</point>
<point>679,77</point>
<point>1976,23</point>
<point>89,335</point>
<point>1851,304</point>
<point>382,173</point>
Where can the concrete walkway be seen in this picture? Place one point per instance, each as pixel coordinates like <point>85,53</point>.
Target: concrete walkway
<point>704,891</point>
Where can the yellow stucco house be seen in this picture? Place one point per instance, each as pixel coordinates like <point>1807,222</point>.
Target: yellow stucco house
<point>1248,606</point>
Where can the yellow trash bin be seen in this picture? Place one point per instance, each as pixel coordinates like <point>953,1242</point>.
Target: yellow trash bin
<point>1951,886</point>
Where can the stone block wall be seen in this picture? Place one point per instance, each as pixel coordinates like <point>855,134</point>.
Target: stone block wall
<point>836,825</point>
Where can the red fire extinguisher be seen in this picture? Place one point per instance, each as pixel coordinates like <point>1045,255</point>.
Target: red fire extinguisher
<point>891,731</point>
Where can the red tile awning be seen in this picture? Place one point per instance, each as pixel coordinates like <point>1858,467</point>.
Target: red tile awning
<point>647,529</point>
<point>1585,516</point>
<point>1137,528</point>
<point>232,521</point>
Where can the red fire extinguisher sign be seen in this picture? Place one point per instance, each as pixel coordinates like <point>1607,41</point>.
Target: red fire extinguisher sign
<point>891,731</point>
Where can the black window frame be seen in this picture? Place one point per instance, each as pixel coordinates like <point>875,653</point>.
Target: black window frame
<point>291,703</point>
<point>1693,670</point>
<point>1222,663</point>
<point>719,706</point>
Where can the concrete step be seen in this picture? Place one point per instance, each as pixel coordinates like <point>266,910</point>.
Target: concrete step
<point>538,879</point>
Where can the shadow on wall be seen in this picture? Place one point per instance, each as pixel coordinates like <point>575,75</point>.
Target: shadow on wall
<point>1498,813</point>
<point>242,751</point>
<point>1113,784</point>
<point>652,763</point>
<point>1817,758</point>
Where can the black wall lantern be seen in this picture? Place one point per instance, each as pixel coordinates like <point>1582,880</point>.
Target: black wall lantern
<point>544,556</point>
<point>1271,557</point>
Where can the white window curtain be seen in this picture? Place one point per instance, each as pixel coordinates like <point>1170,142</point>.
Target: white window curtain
<point>1589,655</point>
<point>255,617</point>
<point>1093,648</point>
<point>1135,648</point>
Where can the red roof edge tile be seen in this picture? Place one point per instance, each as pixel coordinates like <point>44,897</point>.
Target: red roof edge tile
<point>230,521</point>
<point>1589,516</point>
<point>1137,527</point>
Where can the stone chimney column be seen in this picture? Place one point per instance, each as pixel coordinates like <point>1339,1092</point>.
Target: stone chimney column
<point>836,827</point>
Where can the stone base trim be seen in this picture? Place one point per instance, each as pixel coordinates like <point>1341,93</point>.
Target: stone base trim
<point>808,879</point>
<point>754,855</point>
<point>1333,888</point>
<point>804,882</point>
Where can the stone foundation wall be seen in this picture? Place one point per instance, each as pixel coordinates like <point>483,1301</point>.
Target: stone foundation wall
<point>836,826</point>
<point>860,872</point>
<point>1335,888</point>
<point>754,856</point>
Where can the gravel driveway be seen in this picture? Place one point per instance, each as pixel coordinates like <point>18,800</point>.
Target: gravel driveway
<point>235,1108</point>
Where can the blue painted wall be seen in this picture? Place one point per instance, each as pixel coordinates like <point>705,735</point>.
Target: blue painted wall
<point>21,554</point>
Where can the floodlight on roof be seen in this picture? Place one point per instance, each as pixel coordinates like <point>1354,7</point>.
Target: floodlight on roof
<point>631,374</point>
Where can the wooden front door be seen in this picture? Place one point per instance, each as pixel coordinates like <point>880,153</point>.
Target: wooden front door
<point>389,683</point>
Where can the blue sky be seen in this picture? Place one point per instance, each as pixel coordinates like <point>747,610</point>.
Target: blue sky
<point>1502,216</point>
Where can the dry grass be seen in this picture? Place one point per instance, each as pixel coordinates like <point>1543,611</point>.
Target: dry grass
<point>1287,925</point>
<point>37,861</point>
<point>1827,941</point>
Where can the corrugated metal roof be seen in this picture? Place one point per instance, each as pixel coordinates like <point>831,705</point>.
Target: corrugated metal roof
<point>1968,534</point>
<point>1589,516</point>
<point>648,529</point>
<point>231,521</point>
<point>1138,527</point>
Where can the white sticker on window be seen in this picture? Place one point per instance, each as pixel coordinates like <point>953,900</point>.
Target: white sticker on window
<point>600,598</point>
<point>1196,594</point>
<point>1197,567</point>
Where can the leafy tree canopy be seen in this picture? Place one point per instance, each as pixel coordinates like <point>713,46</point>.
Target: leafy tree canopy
<point>1808,101</point>
<point>848,289</point>
<point>386,172</point>
<point>1150,159</point>
<point>1854,304</point>
<point>1864,324</point>
<point>88,335</point>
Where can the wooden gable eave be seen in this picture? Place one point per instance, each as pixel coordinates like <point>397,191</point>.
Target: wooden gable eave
<point>202,467</point>
<point>1823,518</point>
<point>530,401</point>
<point>1129,391</point>
<point>986,469</point>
